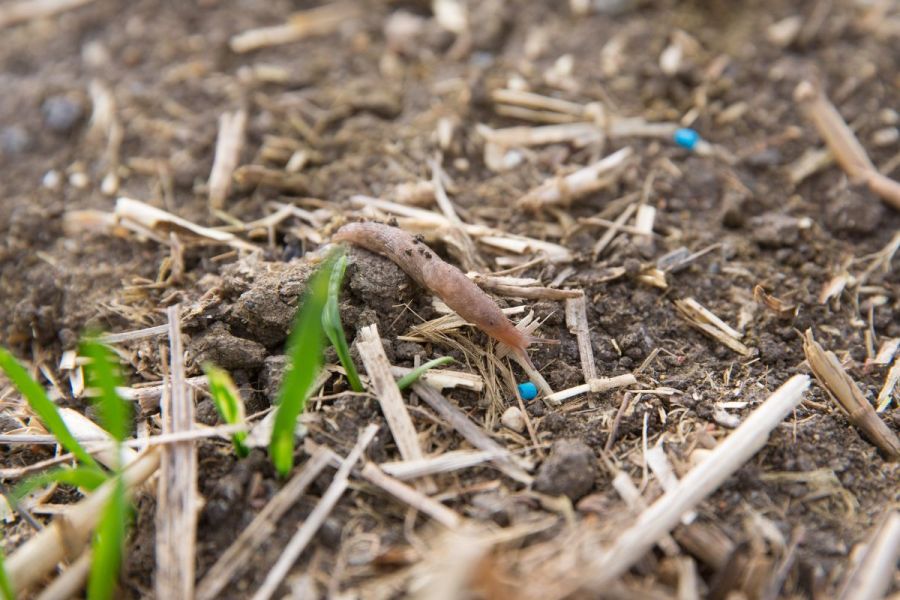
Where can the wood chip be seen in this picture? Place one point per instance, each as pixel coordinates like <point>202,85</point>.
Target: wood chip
<point>841,387</point>
<point>577,323</point>
<point>177,496</point>
<point>27,10</point>
<point>229,143</point>
<point>300,25</point>
<point>703,319</point>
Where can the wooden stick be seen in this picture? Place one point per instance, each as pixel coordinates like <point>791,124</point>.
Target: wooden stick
<point>471,432</point>
<point>70,582</point>
<point>396,488</point>
<point>389,397</point>
<point>594,386</point>
<point>238,554</point>
<point>839,385</point>
<point>67,535</point>
<point>664,514</point>
<point>871,578</point>
<point>308,528</point>
<point>530,292</point>
<point>26,10</point>
<point>176,509</point>
<point>316,21</point>
<point>577,322</point>
<point>562,190</point>
<point>229,143</point>
<point>443,463</point>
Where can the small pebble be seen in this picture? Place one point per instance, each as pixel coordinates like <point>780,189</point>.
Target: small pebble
<point>513,419</point>
<point>686,138</point>
<point>61,114</point>
<point>14,139</point>
<point>886,136</point>
<point>528,390</point>
<point>51,180</point>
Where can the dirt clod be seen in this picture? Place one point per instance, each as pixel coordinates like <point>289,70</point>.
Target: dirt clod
<point>569,470</point>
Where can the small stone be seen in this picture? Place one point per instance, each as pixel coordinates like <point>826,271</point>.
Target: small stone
<point>51,180</point>
<point>61,113</point>
<point>886,137</point>
<point>569,470</point>
<point>14,140</point>
<point>513,419</point>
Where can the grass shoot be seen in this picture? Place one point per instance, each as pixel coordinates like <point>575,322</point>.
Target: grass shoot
<point>306,356</point>
<point>413,376</point>
<point>228,402</point>
<point>334,329</point>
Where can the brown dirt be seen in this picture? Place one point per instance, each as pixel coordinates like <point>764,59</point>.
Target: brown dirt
<point>172,75</point>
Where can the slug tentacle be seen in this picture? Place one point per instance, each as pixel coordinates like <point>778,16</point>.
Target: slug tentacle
<point>442,279</point>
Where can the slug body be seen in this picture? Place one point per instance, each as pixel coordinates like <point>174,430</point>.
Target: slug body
<point>443,279</point>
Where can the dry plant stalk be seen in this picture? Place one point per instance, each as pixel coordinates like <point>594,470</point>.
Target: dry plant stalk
<point>594,386</point>
<point>703,319</point>
<point>26,10</point>
<point>443,463</point>
<point>82,427</point>
<point>664,515</point>
<point>67,535</point>
<point>70,582</point>
<point>528,292</point>
<point>229,143</point>
<point>844,145</point>
<point>176,508</point>
<point>841,387</point>
<point>149,220</point>
<point>871,579</point>
<point>389,397</point>
<point>238,554</point>
<point>308,527</point>
<point>434,509</point>
<point>887,390</point>
<point>471,432</point>
<point>317,21</point>
<point>577,323</point>
<point>441,379</point>
<point>564,189</point>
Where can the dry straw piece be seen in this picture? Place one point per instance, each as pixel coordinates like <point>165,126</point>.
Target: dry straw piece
<point>840,386</point>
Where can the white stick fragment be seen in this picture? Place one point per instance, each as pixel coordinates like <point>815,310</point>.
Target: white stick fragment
<point>434,509</point>
<point>577,322</point>
<point>389,397</point>
<point>82,427</point>
<point>594,386</point>
<point>137,334</point>
<point>263,525</point>
<point>176,509</point>
<point>878,564</point>
<point>473,434</point>
<point>441,379</point>
<point>308,528</point>
<point>317,21</point>
<point>704,320</point>
<point>68,534</point>
<point>562,190</point>
<point>139,216</point>
<point>629,492</point>
<point>661,467</point>
<point>26,10</point>
<point>665,514</point>
<point>229,143</point>
<point>443,463</point>
<point>887,391</point>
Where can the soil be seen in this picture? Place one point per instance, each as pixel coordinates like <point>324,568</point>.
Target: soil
<point>375,111</point>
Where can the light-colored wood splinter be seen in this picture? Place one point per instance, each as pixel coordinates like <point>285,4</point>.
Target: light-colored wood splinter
<point>229,143</point>
<point>238,554</point>
<point>871,579</point>
<point>594,386</point>
<point>703,319</point>
<point>177,495</point>
<point>473,434</point>
<point>389,397</point>
<point>577,322</point>
<point>665,514</point>
<point>841,387</point>
<point>68,534</point>
<point>300,25</point>
<point>844,145</point>
<point>311,524</point>
<point>564,189</point>
<point>27,10</point>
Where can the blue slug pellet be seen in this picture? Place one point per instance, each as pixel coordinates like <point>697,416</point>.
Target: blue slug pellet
<point>686,138</point>
<point>528,390</point>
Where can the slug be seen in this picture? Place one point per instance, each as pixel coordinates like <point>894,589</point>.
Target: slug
<point>441,278</point>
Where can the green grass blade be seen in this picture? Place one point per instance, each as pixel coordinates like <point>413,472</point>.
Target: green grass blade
<point>46,410</point>
<point>5,586</point>
<point>228,402</point>
<point>334,329</point>
<point>86,478</point>
<point>411,377</point>
<point>102,373</point>
<point>305,353</point>
<point>108,546</point>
